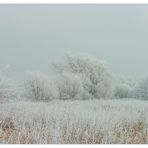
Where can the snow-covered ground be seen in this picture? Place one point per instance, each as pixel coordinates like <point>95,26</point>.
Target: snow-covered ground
<point>90,121</point>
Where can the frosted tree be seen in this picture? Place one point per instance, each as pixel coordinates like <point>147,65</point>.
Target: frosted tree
<point>39,87</point>
<point>7,87</point>
<point>141,90</point>
<point>92,73</point>
<point>70,86</point>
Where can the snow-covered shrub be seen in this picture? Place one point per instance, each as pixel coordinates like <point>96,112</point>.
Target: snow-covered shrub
<point>141,90</point>
<point>93,74</point>
<point>70,87</point>
<point>122,91</point>
<point>7,87</point>
<point>39,87</point>
<point>124,86</point>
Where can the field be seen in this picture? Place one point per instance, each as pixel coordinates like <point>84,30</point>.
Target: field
<point>73,74</point>
<point>74,122</point>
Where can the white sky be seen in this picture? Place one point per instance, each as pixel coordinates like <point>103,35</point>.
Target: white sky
<point>33,35</point>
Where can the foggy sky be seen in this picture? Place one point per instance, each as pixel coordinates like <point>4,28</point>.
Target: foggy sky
<point>31,36</point>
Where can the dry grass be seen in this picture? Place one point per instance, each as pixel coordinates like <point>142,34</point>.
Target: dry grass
<point>74,122</point>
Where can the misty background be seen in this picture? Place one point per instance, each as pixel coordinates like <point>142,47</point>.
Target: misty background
<point>31,36</point>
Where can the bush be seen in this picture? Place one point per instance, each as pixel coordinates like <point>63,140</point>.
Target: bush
<point>93,75</point>
<point>39,87</point>
<point>7,87</point>
<point>141,90</point>
<point>122,91</point>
